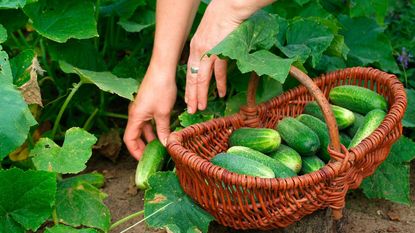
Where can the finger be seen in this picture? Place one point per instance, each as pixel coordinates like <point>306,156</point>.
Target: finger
<point>163,127</point>
<point>220,76</point>
<point>132,140</point>
<point>203,79</point>
<point>191,86</point>
<point>148,132</point>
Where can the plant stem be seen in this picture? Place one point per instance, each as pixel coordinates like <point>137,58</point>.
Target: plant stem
<point>65,104</point>
<point>97,5</point>
<point>87,125</point>
<point>15,40</point>
<point>115,115</point>
<point>55,216</point>
<point>22,38</point>
<point>405,75</point>
<point>44,58</point>
<point>125,219</point>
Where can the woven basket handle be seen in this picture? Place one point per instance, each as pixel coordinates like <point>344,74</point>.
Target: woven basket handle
<point>315,92</point>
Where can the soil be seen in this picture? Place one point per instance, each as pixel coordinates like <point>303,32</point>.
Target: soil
<point>363,215</point>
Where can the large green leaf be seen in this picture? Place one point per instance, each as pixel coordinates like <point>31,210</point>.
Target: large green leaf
<point>391,179</point>
<point>79,203</point>
<point>409,117</point>
<point>12,19</point>
<point>167,205</point>
<point>80,53</point>
<point>15,116</point>
<point>307,37</point>
<point>12,4</point>
<point>70,158</point>
<point>106,81</point>
<point>187,119</point>
<point>122,8</point>
<point>26,199</point>
<point>143,20</point>
<point>19,66</point>
<point>369,8</point>
<point>68,229</point>
<point>3,34</point>
<point>367,42</point>
<point>249,43</point>
<point>62,20</point>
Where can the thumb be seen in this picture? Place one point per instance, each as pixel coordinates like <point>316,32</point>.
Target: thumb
<point>163,127</point>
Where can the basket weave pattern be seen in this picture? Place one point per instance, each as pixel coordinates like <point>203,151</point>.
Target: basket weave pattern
<point>245,202</point>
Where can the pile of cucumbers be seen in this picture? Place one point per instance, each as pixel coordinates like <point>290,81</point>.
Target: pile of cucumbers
<point>299,145</point>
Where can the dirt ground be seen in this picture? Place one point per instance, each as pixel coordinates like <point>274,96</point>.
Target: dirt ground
<point>364,216</point>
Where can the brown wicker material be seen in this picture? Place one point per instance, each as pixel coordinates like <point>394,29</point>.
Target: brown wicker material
<point>245,202</point>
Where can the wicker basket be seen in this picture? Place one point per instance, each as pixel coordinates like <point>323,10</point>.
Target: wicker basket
<point>245,202</point>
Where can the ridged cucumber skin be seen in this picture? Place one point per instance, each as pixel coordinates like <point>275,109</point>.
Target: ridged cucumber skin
<point>345,139</point>
<point>260,139</point>
<point>344,117</point>
<point>370,123</point>
<point>151,161</point>
<point>311,164</point>
<point>288,156</point>
<point>242,165</point>
<point>351,131</point>
<point>320,128</point>
<point>298,136</point>
<point>357,99</point>
<point>279,169</point>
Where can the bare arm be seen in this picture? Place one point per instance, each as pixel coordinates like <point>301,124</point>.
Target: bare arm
<point>157,92</point>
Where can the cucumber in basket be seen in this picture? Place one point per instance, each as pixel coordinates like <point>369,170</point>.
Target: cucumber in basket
<point>151,161</point>
<point>311,164</point>
<point>351,131</point>
<point>320,128</point>
<point>298,136</point>
<point>370,123</point>
<point>242,165</point>
<point>358,99</point>
<point>279,169</point>
<point>260,139</point>
<point>344,117</point>
<point>287,156</point>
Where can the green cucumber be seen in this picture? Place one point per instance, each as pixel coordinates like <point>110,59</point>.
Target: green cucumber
<point>287,156</point>
<point>357,123</point>
<point>260,139</point>
<point>344,117</point>
<point>311,164</point>
<point>298,136</point>
<point>345,139</point>
<point>242,165</point>
<point>320,128</point>
<point>357,99</point>
<point>279,169</point>
<point>371,122</point>
<point>150,162</point>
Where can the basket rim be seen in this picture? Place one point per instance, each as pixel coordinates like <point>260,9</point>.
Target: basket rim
<point>346,158</point>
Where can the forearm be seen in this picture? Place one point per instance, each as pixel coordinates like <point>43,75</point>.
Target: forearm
<point>174,19</point>
<point>241,9</point>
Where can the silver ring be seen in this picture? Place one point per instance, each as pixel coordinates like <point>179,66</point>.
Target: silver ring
<point>194,70</point>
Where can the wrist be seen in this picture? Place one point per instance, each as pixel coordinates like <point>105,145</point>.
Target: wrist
<point>165,72</point>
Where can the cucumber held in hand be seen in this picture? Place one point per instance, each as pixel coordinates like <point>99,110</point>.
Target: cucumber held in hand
<point>151,161</point>
<point>298,136</point>
<point>370,123</point>
<point>287,156</point>
<point>260,139</point>
<point>320,128</point>
<point>358,99</point>
<point>279,169</point>
<point>344,117</point>
<point>242,165</point>
<point>311,164</point>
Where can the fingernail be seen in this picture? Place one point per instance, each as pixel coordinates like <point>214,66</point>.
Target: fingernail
<point>164,142</point>
<point>221,94</point>
<point>200,106</point>
<point>185,99</point>
<point>189,110</point>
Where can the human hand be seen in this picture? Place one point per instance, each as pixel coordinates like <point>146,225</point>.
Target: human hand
<point>220,19</point>
<point>154,100</point>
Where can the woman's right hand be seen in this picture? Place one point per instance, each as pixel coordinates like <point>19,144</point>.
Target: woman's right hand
<point>155,100</point>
